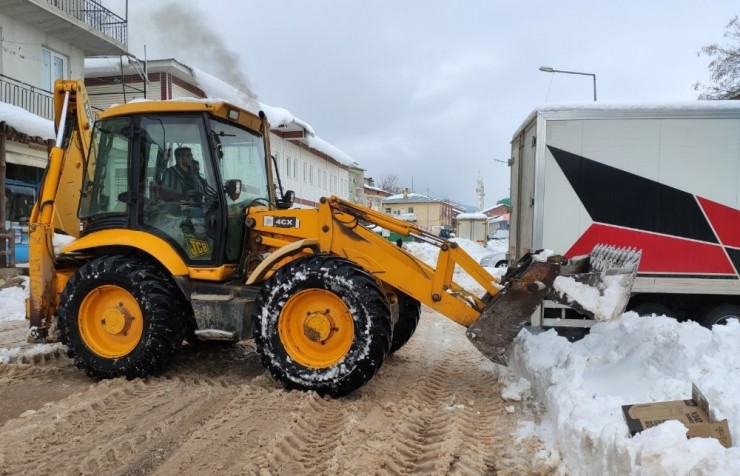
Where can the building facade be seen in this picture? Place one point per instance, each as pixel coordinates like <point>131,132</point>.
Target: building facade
<point>41,41</point>
<point>431,214</point>
<point>374,196</point>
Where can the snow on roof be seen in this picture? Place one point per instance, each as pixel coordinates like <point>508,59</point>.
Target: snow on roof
<point>101,65</point>
<point>322,146</point>
<point>373,187</point>
<point>472,216</point>
<point>216,88</point>
<point>647,109</point>
<point>494,207</point>
<point>410,197</point>
<point>26,122</point>
<point>278,117</point>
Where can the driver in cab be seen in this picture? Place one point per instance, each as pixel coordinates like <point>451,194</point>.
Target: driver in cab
<point>181,181</point>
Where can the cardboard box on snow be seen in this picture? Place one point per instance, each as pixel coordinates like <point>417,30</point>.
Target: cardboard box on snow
<point>693,413</point>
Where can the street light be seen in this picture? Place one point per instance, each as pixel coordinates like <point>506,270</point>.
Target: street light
<point>548,69</point>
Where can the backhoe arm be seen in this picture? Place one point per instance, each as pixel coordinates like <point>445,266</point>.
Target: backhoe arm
<point>62,178</point>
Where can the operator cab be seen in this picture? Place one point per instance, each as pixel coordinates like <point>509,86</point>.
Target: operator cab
<point>185,177</point>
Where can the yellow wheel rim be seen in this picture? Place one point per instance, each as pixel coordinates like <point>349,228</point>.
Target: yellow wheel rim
<point>316,328</point>
<point>110,321</point>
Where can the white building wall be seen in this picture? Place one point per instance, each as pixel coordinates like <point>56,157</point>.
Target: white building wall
<point>307,174</point>
<point>21,47</point>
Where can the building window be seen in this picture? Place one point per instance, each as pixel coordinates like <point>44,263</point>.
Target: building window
<point>411,209</point>
<point>310,174</point>
<point>54,66</point>
<point>388,211</point>
<point>295,168</point>
<point>305,172</point>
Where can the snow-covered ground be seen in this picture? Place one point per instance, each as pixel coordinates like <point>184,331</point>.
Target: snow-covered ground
<point>583,385</point>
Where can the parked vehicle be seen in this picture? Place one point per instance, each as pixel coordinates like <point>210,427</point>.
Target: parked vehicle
<point>494,260</point>
<point>661,178</point>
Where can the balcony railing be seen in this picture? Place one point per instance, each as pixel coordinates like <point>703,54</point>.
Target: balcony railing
<point>34,100</point>
<point>97,16</point>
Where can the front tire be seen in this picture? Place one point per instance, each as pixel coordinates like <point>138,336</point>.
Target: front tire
<point>322,323</point>
<point>121,316</point>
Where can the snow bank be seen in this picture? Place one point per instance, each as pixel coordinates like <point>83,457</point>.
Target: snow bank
<point>633,360</point>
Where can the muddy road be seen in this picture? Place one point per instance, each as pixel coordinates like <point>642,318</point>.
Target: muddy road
<point>434,408</point>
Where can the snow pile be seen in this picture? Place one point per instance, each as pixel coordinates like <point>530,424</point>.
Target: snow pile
<point>584,384</point>
<point>429,254</point>
<point>13,302</point>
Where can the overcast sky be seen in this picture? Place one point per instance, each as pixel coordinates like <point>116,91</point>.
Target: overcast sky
<point>432,91</point>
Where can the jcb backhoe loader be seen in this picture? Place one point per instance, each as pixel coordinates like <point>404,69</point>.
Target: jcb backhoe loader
<point>179,232</point>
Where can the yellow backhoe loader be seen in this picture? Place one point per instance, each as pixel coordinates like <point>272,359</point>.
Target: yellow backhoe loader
<point>178,228</point>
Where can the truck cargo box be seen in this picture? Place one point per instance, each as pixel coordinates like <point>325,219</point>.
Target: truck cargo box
<point>663,178</point>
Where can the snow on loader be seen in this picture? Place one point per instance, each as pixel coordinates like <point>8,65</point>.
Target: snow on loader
<point>162,251</point>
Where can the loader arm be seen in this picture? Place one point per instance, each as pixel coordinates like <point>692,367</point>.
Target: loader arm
<point>341,228</point>
<point>62,178</point>
<point>338,226</point>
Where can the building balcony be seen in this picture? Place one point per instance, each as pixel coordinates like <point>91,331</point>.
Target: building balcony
<point>85,24</point>
<point>34,100</point>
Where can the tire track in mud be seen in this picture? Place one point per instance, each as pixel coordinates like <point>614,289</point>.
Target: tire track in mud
<point>29,382</point>
<point>453,420</point>
<point>434,408</point>
<point>445,427</point>
<point>314,441</point>
<point>117,426</point>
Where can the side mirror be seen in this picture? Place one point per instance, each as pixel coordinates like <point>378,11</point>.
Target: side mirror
<point>287,200</point>
<point>233,188</point>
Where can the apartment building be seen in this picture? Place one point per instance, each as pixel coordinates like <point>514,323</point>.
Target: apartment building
<point>374,196</point>
<point>431,214</point>
<point>41,41</point>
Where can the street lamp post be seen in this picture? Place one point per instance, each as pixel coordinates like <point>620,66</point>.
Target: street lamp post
<point>548,69</point>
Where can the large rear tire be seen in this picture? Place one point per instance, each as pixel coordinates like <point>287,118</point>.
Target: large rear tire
<point>322,323</point>
<point>409,311</point>
<point>121,316</point>
<point>719,315</point>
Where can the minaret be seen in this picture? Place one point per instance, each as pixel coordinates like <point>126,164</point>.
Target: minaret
<point>481,193</point>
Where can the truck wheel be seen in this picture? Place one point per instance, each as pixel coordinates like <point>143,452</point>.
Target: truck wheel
<point>120,316</point>
<point>322,323</point>
<point>720,315</point>
<point>409,311</point>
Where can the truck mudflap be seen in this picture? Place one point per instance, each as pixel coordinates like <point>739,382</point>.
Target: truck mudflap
<point>597,285</point>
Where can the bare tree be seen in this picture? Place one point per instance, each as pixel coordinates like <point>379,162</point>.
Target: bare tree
<point>390,183</point>
<point>724,67</point>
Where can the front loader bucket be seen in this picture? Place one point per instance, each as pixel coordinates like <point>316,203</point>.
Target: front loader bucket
<point>598,285</point>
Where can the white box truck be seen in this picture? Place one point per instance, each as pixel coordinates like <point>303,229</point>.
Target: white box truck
<point>663,178</point>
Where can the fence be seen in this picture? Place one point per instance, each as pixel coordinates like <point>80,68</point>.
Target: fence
<point>34,100</point>
<point>97,16</point>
